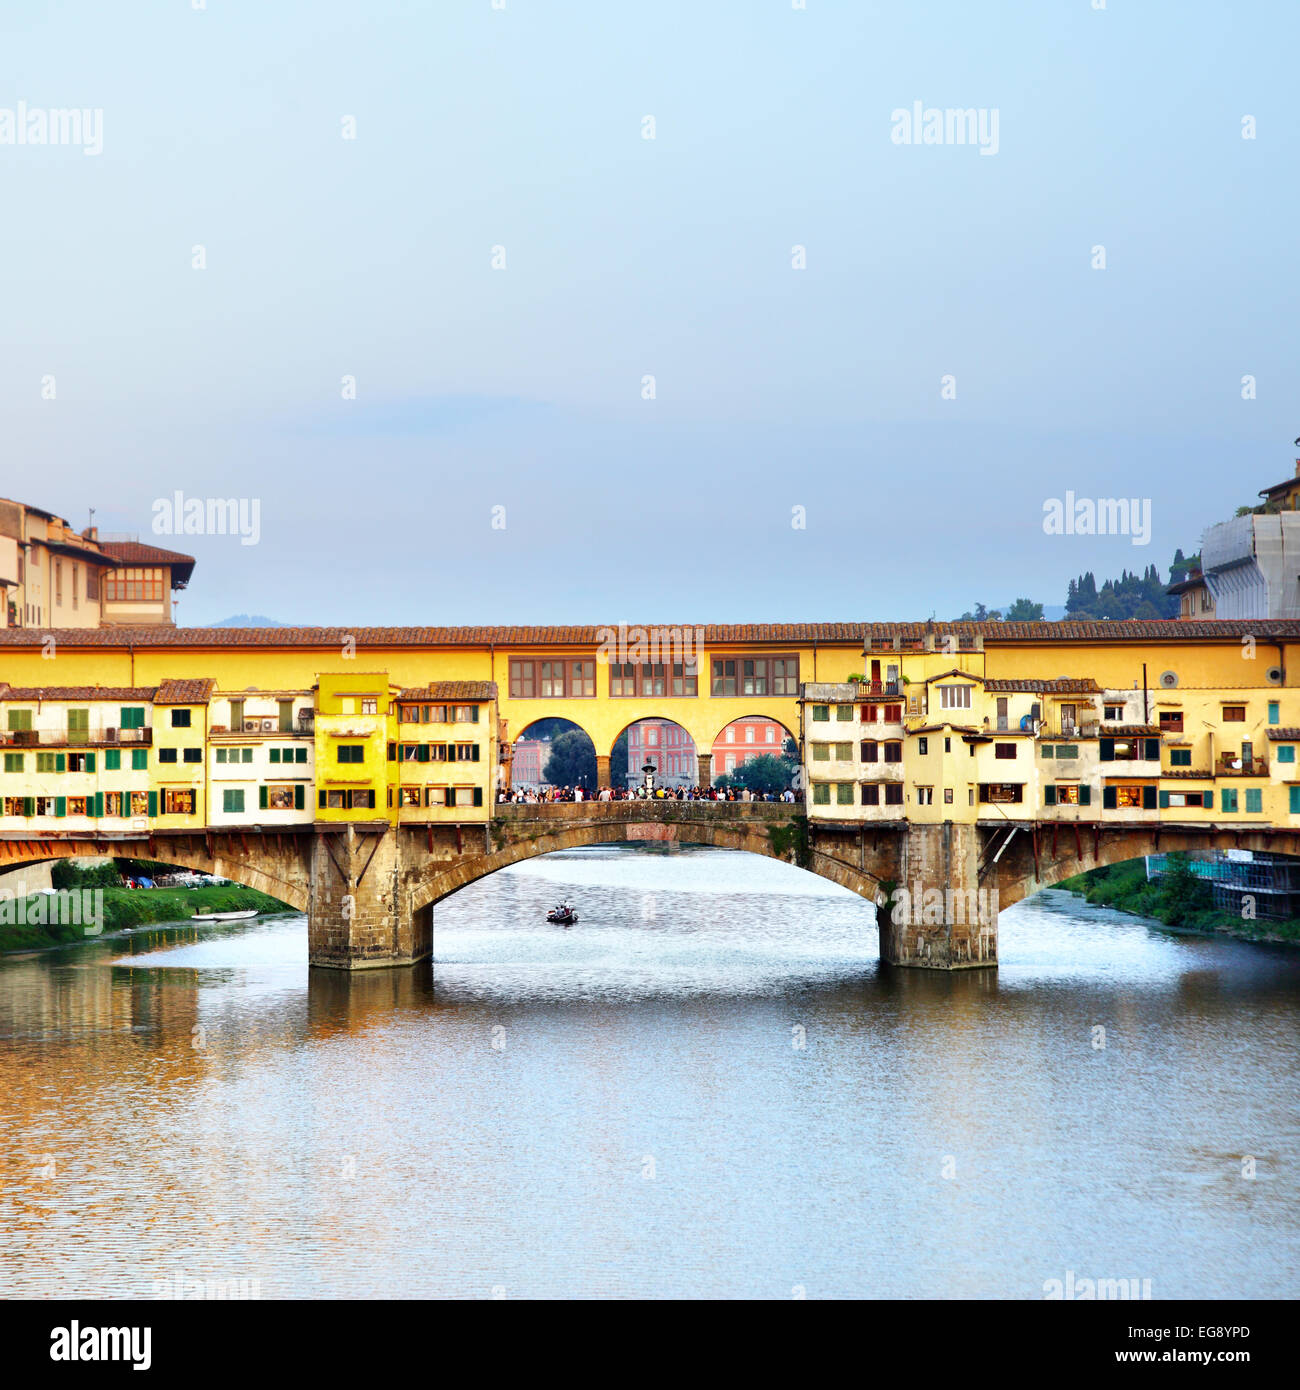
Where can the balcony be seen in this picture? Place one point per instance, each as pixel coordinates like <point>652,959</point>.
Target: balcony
<point>267,726</point>
<point>1232,765</point>
<point>879,690</point>
<point>108,737</point>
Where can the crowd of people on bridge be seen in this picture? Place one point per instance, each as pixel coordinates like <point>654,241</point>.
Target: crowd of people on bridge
<point>515,795</point>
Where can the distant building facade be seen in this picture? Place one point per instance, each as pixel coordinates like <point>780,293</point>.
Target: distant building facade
<point>52,576</point>
<point>1250,565</point>
<point>744,739</point>
<point>529,761</point>
<point>668,746</point>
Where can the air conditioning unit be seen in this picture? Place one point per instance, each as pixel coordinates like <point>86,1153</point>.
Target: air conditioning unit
<point>110,735</point>
<point>268,726</point>
<point>1168,680</point>
<point>251,726</point>
<point>1273,675</point>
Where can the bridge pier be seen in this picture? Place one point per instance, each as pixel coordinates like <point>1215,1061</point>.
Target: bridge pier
<point>937,917</point>
<point>704,769</point>
<point>359,917</point>
<point>602,770</point>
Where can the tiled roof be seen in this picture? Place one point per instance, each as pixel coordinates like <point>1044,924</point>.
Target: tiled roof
<point>187,692</point>
<point>1129,730</point>
<point>955,671</point>
<point>1284,735</point>
<point>1059,685</point>
<point>134,553</point>
<point>715,634</point>
<point>76,692</point>
<point>452,690</point>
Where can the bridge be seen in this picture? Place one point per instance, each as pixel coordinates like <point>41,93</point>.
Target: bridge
<point>947,770</point>
<point>370,894</point>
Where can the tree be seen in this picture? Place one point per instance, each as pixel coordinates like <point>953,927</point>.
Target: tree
<point>572,762</point>
<point>764,773</point>
<point>1024,610</point>
<point>618,762</point>
<point>1183,894</point>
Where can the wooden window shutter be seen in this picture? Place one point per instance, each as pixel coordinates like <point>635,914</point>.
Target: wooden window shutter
<point>1207,800</point>
<point>1085,794</point>
<point>1148,798</point>
<point>1049,795</point>
<point>263,796</point>
<point>90,762</point>
<point>299,797</point>
<point>153,803</point>
<point>1164,801</point>
<point>1152,750</point>
<point>1106,750</point>
<point>1109,800</point>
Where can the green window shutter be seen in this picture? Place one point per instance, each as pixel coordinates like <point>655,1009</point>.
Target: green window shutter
<point>1164,801</point>
<point>478,796</point>
<point>153,803</point>
<point>299,797</point>
<point>1286,753</point>
<point>300,755</point>
<point>262,794</point>
<point>320,800</point>
<point>1273,712</point>
<point>90,762</point>
<point>1228,799</point>
<point>1047,751</point>
<point>372,800</point>
<point>112,759</point>
<point>139,759</point>
<point>275,755</point>
<point>474,714</point>
<point>1254,801</point>
<point>1207,800</point>
<point>1109,799</point>
<point>1085,794</point>
<point>392,752</point>
<point>421,752</point>
<point>1153,750</point>
<point>60,805</point>
<point>1148,798</point>
<point>451,796</point>
<point>221,755</point>
<point>60,762</point>
<point>1049,795</point>
<point>1106,750</point>
<point>1295,800</point>
<point>99,805</point>
<point>474,757</point>
<point>29,805</point>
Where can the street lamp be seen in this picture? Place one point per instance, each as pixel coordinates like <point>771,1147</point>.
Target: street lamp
<point>649,769</point>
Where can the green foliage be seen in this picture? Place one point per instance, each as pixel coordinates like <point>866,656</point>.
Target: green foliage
<point>765,773</point>
<point>1025,610</point>
<point>1129,596</point>
<point>618,763</point>
<point>572,762</point>
<point>65,874</point>
<point>790,841</point>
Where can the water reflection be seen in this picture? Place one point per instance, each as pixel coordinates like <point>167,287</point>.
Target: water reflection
<point>710,1087</point>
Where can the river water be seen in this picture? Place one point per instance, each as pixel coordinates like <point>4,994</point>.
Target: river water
<point>709,1087</point>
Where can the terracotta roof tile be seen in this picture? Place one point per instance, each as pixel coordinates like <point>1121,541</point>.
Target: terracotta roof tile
<point>452,690</point>
<point>1059,685</point>
<point>77,692</point>
<point>134,553</point>
<point>1290,735</point>
<point>185,692</point>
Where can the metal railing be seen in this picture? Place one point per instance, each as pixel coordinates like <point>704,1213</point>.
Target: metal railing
<point>107,737</point>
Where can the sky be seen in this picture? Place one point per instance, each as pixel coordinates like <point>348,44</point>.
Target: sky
<point>454,206</point>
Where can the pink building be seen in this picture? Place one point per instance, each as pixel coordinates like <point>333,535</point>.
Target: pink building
<point>744,739</point>
<point>529,759</point>
<point>668,746</point>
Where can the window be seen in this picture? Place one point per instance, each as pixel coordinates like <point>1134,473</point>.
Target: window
<point>1274,712</point>
<point>821,714</point>
<point>14,761</point>
<point>181,718</point>
<point>954,697</point>
<point>923,746</point>
<point>1228,799</point>
<point>1180,757</point>
<point>821,752</point>
<point>756,675</point>
<point>464,714</point>
<point>769,734</point>
<point>1067,794</point>
<point>1254,801</point>
<point>843,713</point>
<point>139,759</point>
<point>132,718</point>
<point>368,706</point>
<point>947,796</point>
<point>870,751</point>
<point>1171,721</point>
<point>999,793</point>
<point>232,799</point>
<point>749,733</point>
<point>81,762</point>
<point>1067,750</point>
<point>133,586</point>
<point>20,721</point>
<point>893,794</point>
<point>352,752</point>
<point>178,803</point>
<point>925,796</point>
<point>871,793</point>
<point>193,755</point>
<point>466,753</point>
<point>167,755</point>
<point>285,796</point>
<point>844,793</point>
<point>1047,751</point>
<point>552,678</point>
<point>821,793</point>
<point>1115,713</point>
<point>1004,751</point>
<point>893,752</point>
<point>1294,800</point>
<point>1234,714</point>
<point>843,752</point>
<point>409,796</point>
<point>236,716</point>
<point>49,762</point>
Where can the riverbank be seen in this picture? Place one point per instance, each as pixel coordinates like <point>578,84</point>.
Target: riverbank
<point>25,924</point>
<point>1175,906</point>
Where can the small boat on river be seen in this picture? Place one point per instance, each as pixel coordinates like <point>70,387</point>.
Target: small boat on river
<point>224,916</point>
<point>562,916</point>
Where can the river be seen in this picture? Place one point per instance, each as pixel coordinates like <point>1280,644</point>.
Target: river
<point>708,1088</point>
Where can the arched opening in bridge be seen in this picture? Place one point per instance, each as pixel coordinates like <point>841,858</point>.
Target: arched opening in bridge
<point>755,752</point>
<point>552,752</point>
<point>658,743</point>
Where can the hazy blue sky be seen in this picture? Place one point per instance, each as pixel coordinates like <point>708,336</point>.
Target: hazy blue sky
<point>776,387</point>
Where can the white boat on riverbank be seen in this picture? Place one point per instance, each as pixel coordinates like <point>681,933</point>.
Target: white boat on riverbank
<point>224,916</point>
